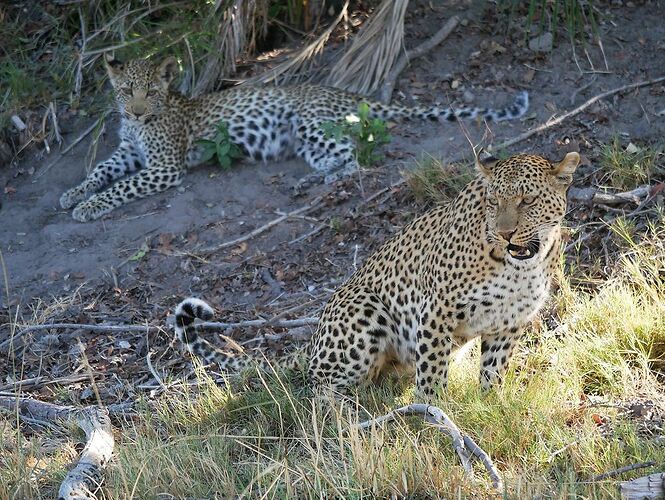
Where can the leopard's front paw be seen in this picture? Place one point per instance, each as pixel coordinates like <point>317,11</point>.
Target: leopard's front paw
<point>88,210</point>
<point>72,196</point>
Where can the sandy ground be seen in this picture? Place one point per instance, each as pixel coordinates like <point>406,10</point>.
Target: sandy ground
<point>48,254</point>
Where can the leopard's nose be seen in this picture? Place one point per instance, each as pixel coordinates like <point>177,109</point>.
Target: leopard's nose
<point>506,235</point>
<point>138,110</point>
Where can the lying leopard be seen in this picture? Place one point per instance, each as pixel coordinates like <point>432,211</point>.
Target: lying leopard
<point>160,128</point>
<point>479,266</point>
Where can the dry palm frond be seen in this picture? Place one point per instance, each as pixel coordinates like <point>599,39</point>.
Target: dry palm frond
<point>235,35</point>
<point>374,50</point>
<point>298,67</point>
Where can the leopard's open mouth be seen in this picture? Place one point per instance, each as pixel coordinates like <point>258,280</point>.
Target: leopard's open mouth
<point>524,252</point>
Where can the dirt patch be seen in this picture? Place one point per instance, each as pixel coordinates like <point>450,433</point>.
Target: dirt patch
<point>135,264</point>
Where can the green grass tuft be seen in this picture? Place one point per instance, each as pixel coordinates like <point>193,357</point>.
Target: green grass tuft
<point>627,167</point>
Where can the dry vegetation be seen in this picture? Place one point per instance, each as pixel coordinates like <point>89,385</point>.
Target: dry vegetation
<point>583,395</point>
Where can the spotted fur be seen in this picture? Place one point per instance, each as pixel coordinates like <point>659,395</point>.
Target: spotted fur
<point>479,266</point>
<point>160,128</point>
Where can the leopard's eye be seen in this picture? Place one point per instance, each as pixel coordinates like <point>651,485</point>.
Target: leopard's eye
<point>151,92</point>
<point>127,90</point>
<point>492,201</point>
<point>528,200</point>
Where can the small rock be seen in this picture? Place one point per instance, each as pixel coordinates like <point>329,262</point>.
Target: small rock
<point>455,84</point>
<point>468,96</point>
<point>542,43</point>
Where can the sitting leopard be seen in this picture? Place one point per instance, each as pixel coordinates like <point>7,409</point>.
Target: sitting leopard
<point>160,129</point>
<point>478,266</point>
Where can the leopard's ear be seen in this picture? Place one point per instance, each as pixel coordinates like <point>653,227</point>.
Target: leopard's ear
<point>167,71</point>
<point>113,66</point>
<point>562,173</point>
<point>485,167</point>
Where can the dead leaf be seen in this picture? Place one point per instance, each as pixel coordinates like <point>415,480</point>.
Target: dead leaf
<point>240,249</point>
<point>164,243</point>
<point>10,190</point>
<point>528,75</point>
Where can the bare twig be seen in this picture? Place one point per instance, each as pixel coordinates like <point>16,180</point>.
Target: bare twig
<point>66,326</point>
<point>297,334</point>
<point>154,372</point>
<point>85,133</point>
<point>597,197</point>
<point>85,479</point>
<point>621,470</point>
<point>311,205</point>
<point>408,56</point>
<point>556,121</point>
<point>286,323</point>
<point>37,382</point>
<point>461,442</point>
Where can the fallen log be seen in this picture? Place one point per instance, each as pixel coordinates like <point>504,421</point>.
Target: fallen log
<point>84,480</point>
<point>644,488</point>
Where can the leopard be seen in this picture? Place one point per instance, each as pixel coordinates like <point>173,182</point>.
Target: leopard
<point>478,266</point>
<point>161,131</point>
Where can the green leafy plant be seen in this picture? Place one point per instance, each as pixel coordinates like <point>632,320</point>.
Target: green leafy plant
<point>220,146</point>
<point>367,133</point>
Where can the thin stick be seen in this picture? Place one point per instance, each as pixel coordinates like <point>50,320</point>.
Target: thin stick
<point>85,133</point>
<point>287,323</point>
<point>85,479</point>
<point>408,56</point>
<point>556,121</point>
<point>41,380</point>
<point>311,205</point>
<point>154,372</point>
<point>621,470</point>
<point>461,441</point>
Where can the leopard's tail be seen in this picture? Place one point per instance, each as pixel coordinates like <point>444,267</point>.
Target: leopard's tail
<point>436,113</point>
<point>191,309</point>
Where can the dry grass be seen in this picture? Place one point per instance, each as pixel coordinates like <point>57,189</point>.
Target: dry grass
<point>434,182</point>
<point>629,166</point>
<point>262,435</point>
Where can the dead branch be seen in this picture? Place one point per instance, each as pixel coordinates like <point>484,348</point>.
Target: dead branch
<point>556,121</point>
<point>85,133</point>
<point>286,323</point>
<point>37,382</point>
<point>649,487</point>
<point>438,37</point>
<point>598,197</point>
<point>85,479</point>
<point>311,205</point>
<point>621,470</point>
<point>462,443</point>
<point>301,334</point>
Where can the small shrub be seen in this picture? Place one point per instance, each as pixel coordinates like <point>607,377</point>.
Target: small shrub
<point>367,133</point>
<point>220,146</point>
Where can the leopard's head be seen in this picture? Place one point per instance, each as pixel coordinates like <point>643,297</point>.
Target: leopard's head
<point>141,87</point>
<point>525,201</point>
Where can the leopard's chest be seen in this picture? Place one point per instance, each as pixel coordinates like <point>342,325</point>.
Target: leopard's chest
<point>505,301</point>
